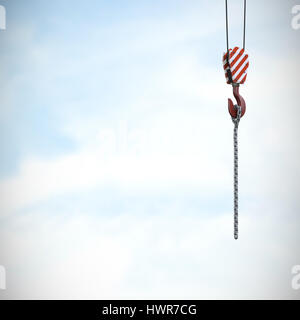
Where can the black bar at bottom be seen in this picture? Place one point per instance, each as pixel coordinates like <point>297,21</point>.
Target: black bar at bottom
<point>142,309</point>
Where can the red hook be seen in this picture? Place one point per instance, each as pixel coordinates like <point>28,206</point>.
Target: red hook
<point>240,102</point>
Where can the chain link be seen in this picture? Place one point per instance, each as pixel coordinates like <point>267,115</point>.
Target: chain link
<point>236,122</point>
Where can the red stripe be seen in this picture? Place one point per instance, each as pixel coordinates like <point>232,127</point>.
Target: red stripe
<point>235,49</point>
<point>240,64</point>
<point>236,58</point>
<point>241,73</point>
<point>231,54</point>
<point>244,79</point>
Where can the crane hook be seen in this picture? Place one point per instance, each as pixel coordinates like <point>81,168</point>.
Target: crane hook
<point>240,102</point>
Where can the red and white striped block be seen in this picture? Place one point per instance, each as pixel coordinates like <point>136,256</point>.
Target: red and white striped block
<point>238,64</point>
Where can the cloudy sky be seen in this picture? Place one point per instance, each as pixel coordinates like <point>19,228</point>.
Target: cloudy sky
<point>116,162</point>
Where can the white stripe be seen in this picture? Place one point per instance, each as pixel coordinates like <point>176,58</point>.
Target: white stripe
<point>230,59</point>
<point>237,63</point>
<point>234,56</point>
<point>242,78</point>
<point>240,68</point>
<point>236,75</point>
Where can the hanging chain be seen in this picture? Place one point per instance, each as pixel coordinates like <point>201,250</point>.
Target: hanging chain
<point>236,122</point>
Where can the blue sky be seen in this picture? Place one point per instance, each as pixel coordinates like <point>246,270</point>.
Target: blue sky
<point>116,167</point>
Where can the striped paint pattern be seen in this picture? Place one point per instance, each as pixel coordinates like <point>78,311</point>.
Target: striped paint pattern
<point>238,64</point>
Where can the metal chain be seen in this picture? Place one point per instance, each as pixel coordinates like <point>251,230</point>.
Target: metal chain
<point>236,122</point>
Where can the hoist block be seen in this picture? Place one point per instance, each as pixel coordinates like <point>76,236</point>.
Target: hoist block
<point>235,65</point>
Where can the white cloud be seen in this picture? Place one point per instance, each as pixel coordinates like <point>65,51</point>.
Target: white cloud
<point>178,146</point>
<point>138,256</point>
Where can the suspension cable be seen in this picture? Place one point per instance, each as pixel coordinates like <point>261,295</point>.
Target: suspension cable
<point>244,27</point>
<point>227,41</point>
<point>244,35</point>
